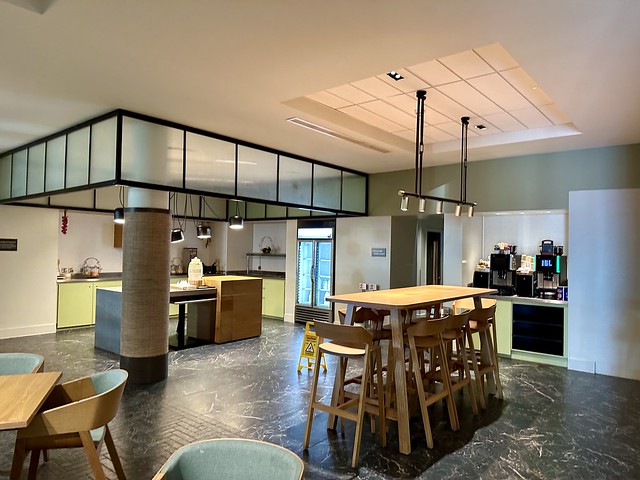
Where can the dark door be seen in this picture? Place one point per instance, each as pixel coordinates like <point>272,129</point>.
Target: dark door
<point>434,259</point>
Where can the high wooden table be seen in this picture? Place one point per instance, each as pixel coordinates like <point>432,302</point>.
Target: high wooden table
<point>401,303</point>
<point>21,396</point>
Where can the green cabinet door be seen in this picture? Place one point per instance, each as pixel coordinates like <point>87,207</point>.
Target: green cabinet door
<point>273,298</point>
<point>75,304</point>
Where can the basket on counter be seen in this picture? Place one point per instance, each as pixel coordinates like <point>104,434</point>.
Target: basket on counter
<point>91,267</point>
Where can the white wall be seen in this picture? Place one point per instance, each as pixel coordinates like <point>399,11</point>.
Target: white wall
<point>277,231</point>
<point>472,241</point>
<point>604,304</point>
<point>452,250</point>
<point>239,242</point>
<point>28,290</point>
<point>291,265</point>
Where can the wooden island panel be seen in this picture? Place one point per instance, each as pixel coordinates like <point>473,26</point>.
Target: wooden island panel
<point>238,307</point>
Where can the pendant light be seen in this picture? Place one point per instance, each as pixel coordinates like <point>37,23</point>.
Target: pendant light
<point>203,231</point>
<point>118,213</point>
<point>236,222</point>
<point>177,234</point>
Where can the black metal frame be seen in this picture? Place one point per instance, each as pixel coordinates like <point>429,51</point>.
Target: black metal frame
<point>119,114</point>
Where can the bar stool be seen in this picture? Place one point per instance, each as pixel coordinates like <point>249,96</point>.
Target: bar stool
<point>424,336</point>
<point>456,334</point>
<point>348,342</point>
<point>482,322</point>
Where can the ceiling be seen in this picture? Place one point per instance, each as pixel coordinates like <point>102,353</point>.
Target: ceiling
<point>242,69</point>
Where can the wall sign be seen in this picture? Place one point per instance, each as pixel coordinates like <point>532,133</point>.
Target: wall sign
<point>378,252</point>
<point>9,244</point>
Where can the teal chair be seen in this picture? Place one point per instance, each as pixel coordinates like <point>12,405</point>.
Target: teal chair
<point>20,363</point>
<point>232,459</point>
<point>75,415</point>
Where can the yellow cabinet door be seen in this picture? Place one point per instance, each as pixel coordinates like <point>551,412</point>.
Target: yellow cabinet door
<point>75,304</point>
<point>273,298</point>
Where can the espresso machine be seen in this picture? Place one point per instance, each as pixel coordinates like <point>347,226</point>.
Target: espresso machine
<point>502,270</point>
<point>551,270</point>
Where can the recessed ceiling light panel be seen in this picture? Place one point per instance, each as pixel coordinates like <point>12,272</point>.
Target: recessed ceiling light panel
<point>395,75</point>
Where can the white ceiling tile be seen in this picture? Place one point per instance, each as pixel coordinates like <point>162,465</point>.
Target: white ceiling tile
<point>496,56</point>
<point>404,102</point>
<point>469,97</point>
<point>376,87</point>
<point>328,99</point>
<point>409,84</point>
<point>389,112</point>
<point>409,135</point>
<point>504,122</point>
<point>350,93</point>
<point>434,73</point>
<point>444,105</point>
<point>466,64</point>
<point>553,113</point>
<point>527,86</point>
<point>433,117</point>
<point>498,90</point>
<point>531,118</point>
<point>371,118</point>
<point>435,135</point>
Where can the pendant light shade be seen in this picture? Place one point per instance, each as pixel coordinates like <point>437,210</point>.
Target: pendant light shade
<point>439,205</point>
<point>118,215</point>
<point>203,231</point>
<point>236,222</point>
<point>177,235</point>
<point>470,212</point>
<point>458,210</point>
<point>404,203</point>
<point>422,204</point>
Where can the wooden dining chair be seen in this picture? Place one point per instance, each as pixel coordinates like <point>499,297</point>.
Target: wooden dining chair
<point>349,342</point>
<point>427,336</point>
<point>76,414</point>
<point>20,363</point>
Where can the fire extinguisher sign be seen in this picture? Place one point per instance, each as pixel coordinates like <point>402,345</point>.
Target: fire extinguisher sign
<point>309,349</point>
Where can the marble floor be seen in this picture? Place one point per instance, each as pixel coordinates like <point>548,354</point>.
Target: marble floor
<point>552,424</point>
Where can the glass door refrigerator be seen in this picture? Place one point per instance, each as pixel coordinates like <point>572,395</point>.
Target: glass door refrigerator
<point>314,274</point>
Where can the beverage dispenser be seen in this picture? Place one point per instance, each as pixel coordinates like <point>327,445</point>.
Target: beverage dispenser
<point>551,273</point>
<point>502,273</point>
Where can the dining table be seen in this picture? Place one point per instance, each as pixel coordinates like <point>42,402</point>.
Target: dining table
<point>402,303</point>
<point>21,396</point>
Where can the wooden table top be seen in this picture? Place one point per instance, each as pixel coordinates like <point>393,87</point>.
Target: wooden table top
<point>21,396</point>
<point>409,297</point>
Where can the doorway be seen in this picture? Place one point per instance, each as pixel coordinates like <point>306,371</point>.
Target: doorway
<point>434,258</point>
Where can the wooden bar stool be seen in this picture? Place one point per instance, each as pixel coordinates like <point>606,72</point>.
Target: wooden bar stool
<point>455,334</point>
<point>482,322</point>
<point>348,342</point>
<point>424,336</point>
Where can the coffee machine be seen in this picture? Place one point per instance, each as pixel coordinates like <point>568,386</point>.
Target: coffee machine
<point>551,273</point>
<point>503,272</point>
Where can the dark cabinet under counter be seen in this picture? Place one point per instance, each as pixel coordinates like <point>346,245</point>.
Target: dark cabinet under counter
<point>538,328</point>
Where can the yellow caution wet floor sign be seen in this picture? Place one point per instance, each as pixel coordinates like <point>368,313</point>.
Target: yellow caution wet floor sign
<point>309,349</point>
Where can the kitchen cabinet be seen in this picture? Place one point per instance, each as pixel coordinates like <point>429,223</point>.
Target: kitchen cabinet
<point>173,308</point>
<point>273,297</point>
<point>75,304</point>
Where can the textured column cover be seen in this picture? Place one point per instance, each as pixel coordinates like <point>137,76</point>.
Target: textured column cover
<point>145,295</point>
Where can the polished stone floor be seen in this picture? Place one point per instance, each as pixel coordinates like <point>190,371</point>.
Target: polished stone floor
<point>552,423</point>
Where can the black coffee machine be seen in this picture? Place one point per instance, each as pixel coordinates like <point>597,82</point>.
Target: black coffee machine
<point>503,273</point>
<point>551,270</point>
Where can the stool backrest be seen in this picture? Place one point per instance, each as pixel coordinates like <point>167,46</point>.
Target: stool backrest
<point>20,363</point>
<point>457,322</point>
<point>483,315</point>
<point>347,335</point>
<point>428,328</point>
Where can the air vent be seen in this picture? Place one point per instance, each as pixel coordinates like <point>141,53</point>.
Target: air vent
<point>331,133</point>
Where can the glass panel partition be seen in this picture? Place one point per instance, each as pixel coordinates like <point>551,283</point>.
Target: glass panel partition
<point>255,211</point>
<point>211,164</point>
<point>103,151</point>
<point>151,153</point>
<point>5,177</point>
<point>326,187</point>
<point>19,174</point>
<point>295,181</point>
<point>354,192</point>
<point>276,211</point>
<point>35,170</point>
<point>77,158</point>
<point>257,173</point>
<point>55,163</point>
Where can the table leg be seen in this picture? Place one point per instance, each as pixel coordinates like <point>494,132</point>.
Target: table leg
<point>402,403</point>
<point>181,325</point>
<point>331,419</point>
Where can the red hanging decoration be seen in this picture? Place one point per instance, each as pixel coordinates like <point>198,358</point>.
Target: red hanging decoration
<point>65,223</point>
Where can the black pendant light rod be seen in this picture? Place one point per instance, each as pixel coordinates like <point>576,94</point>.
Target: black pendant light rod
<point>421,95</point>
<point>463,159</point>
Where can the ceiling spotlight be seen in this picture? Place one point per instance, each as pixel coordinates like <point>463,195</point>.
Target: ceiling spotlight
<point>203,231</point>
<point>458,210</point>
<point>118,215</point>
<point>439,205</point>
<point>404,203</point>
<point>421,204</point>
<point>395,75</point>
<point>177,235</point>
<point>480,127</point>
<point>470,212</point>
